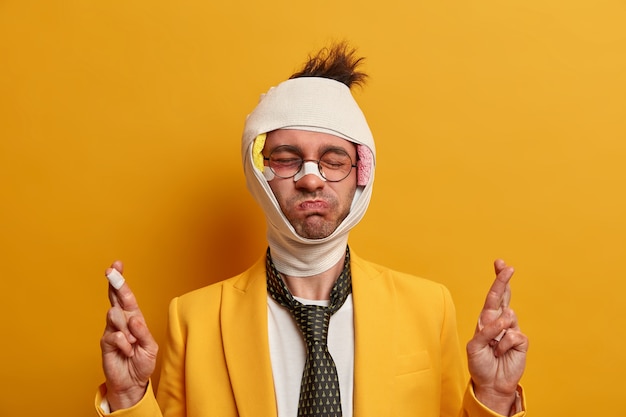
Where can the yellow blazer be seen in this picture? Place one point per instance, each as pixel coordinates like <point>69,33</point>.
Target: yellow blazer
<point>408,361</point>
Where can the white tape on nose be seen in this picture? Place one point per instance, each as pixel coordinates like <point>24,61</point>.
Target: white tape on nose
<point>309,167</point>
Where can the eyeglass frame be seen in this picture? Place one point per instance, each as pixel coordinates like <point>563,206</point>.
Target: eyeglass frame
<point>317,161</point>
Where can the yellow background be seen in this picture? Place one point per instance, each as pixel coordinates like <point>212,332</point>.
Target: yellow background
<point>500,128</point>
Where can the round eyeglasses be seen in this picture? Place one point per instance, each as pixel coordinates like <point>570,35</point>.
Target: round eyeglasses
<point>334,164</point>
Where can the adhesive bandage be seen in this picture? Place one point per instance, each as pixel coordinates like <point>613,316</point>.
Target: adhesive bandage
<point>309,168</point>
<point>115,278</point>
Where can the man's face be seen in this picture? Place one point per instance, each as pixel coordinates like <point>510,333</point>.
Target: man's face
<point>314,207</point>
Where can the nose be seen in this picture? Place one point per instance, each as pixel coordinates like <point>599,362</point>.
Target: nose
<point>309,167</point>
<point>309,176</point>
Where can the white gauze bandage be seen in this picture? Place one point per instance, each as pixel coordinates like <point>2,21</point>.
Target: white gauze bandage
<point>318,105</point>
<point>115,278</point>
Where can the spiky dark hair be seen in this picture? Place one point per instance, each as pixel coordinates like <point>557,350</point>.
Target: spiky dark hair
<point>338,62</point>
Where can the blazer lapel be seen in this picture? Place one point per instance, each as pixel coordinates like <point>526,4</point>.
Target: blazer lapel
<point>374,329</point>
<point>246,345</point>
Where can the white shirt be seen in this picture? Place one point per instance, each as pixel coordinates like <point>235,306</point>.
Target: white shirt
<point>288,354</point>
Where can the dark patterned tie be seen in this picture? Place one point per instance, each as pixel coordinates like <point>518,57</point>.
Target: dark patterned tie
<point>319,390</point>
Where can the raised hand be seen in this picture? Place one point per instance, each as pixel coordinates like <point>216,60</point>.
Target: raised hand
<point>128,349</point>
<point>497,352</point>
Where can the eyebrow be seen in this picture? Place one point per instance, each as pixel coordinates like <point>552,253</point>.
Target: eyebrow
<point>333,148</point>
<point>287,148</point>
<point>321,149</point>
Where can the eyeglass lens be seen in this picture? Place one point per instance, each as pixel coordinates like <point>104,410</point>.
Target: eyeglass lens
<point>334,164</point>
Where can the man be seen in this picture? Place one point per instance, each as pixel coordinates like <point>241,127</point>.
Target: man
<point>312,329</point>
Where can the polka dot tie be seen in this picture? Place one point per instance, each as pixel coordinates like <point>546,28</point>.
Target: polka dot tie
<point>319,389</point>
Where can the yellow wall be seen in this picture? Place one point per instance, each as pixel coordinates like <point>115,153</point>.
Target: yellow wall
<point>500,128</point>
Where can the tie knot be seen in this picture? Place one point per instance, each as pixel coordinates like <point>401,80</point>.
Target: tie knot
<point>313,321</point>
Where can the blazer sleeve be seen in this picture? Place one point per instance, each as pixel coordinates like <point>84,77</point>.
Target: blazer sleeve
<point>472,407</point>
<point>147,407</point>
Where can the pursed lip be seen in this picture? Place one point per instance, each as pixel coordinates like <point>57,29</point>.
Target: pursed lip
<point>313,205</point>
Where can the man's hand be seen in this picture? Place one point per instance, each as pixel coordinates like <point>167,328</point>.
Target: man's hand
<point>497,352</point>
<point>128,349</point>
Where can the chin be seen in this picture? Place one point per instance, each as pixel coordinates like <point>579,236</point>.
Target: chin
<point>315,231</point>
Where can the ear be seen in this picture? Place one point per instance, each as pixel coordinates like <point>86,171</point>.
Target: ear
<point>363,165</point>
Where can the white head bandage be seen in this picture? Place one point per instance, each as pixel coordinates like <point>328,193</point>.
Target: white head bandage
<point>318,105</point>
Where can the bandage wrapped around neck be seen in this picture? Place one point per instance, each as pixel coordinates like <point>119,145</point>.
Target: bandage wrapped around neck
<point>319,105</point>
